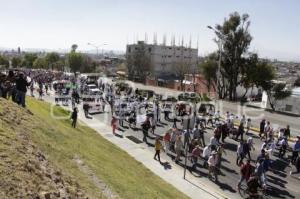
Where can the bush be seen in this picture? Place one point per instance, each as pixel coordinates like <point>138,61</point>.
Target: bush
<point>205,97</point>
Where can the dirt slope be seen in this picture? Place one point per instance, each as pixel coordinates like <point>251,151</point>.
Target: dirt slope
<point>25,171</point>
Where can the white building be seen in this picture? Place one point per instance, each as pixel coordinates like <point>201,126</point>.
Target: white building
<point>165,58</point>
<point>290,104</point>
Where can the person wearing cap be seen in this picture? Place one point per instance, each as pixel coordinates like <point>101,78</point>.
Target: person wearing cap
<point>212,161</point>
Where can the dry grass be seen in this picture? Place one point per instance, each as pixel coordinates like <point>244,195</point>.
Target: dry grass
<point>61,143</point>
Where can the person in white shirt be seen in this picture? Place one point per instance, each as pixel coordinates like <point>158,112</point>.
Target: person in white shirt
<point>243,120</point>
<point>271,148</point>
<point>250,147</point>
<point>267,128</point>
<point>217,116</point>
<point>213,141</point>
<point>240,153</point>
<point>227,115</point>
<point>282,147</point>
<point>212,161</point>
<point>248,125</point>
<point>205,154</point>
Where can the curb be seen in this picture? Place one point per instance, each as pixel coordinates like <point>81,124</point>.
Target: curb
<point>256,130</point>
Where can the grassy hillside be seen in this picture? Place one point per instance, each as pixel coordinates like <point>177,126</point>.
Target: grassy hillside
<point>64,146</point>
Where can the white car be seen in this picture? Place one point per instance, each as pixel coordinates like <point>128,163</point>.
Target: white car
<point>95,91</point>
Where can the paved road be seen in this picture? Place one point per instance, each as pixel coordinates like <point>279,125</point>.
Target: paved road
<point>256,114</point>
<point>280,183</point>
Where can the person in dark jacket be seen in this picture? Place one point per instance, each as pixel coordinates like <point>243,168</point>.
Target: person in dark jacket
<point>145,128</point>
<point>86,110</point>
<point>262,127</point>
<point>74,117</point>
<point>21,86</point>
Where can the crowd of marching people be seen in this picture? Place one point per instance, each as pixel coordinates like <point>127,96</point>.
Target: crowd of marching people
<point>188,126</point>
<point>178,139</point>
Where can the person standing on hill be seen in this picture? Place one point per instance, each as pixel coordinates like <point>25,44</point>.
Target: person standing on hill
<point>74,117</point>
<point>21,86</point>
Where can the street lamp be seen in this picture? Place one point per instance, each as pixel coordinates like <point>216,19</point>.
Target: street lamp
<point>97,47</point>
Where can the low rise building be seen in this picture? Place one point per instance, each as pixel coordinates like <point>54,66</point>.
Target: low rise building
<point>164,59</point>
<point>289,105</point>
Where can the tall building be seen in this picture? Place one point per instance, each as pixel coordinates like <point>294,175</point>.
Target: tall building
<point>165,60</point>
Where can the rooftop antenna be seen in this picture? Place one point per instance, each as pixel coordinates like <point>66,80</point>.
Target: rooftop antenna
<point>164,39</point>
<point>146,38</point>
<point>182,41</point>
<point>173,40</point>
<point>155,39</point>
<point>190,42</point>
<point>197,42</point>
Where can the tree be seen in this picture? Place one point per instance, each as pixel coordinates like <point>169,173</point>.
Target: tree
<point>16,62</point>
<point>297,82</point>
<point>51,59</point>
<point>277,92</point>
<point>181,69</point>
<point>29,58</point>
<point>209,69</point>
<point>88,65</point>
<point>249,73</point>
<point>138,64</point>
<point>75,59</point>
<point>74,47</point>
<point>40,62</point>
<point>234,33</point>
<point>4,62</point>
<point>60,64</point>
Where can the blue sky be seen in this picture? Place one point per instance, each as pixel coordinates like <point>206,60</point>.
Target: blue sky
<point>57,24</point>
